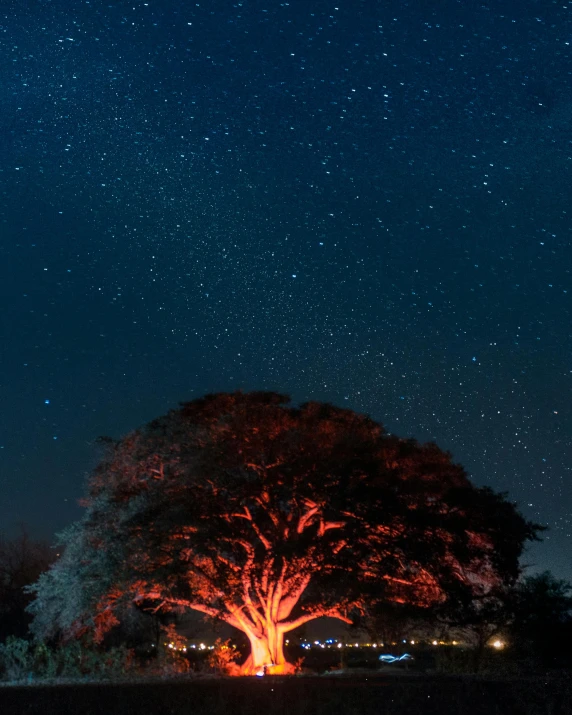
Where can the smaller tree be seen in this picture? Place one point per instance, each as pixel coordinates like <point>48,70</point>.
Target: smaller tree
<point>478,620</point>
<point>223,657</point>
<point>541,624</point>
<point>172,650</point>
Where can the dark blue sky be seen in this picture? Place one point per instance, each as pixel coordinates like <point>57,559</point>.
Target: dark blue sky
<point>354,201</point>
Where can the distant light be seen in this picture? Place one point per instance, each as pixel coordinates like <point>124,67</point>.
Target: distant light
<point>46,402</point>
<point>498,644</point>
<point>434,642</point>
<point>412,642</point>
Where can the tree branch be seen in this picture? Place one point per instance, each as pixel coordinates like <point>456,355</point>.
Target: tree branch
<point>287,626</point>
<point>209,610</point>
<point>246,586</point>
<point>305,518</point>
<point>293,595</point>
<point>263,539</point>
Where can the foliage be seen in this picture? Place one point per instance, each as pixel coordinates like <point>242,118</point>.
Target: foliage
<point>541,623</point>
<point>22,560</point>
<point>20,659</point>
<point>543,601</point>
<point>15,657</point>
<point>476,622</point>
<point>223,657</point>
<point>532,617</point>
<point>171,655</point>
<point>267,516</point>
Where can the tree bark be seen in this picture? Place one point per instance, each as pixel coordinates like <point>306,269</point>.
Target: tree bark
<point>267,653</point>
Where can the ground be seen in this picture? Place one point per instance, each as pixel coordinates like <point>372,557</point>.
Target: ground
<point>366,694</point>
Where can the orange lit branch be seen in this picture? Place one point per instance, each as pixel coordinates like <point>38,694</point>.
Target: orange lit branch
<point>287,626</point>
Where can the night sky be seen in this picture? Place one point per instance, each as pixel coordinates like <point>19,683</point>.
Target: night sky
<point>363,202</point>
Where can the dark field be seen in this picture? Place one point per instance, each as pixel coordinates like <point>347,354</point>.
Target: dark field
<point>333,695</point>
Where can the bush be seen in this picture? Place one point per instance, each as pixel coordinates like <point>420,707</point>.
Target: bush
<point>19,659</point>
<point>110,663</point>
<point>172,652</point>
<point>15,658</point>
<point>223,658</point>
<point>45,663</point>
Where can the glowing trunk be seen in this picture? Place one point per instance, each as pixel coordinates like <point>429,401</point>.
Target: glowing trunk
<point>266,650</point>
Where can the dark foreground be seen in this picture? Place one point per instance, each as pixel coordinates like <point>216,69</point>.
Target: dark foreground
<point>332,695</point>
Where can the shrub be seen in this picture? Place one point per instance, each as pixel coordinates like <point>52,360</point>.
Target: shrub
<point>172,652</point>
<point>15,658</point>
<point>45,664</point>
<point>223,657</point>
<point>19,660</point>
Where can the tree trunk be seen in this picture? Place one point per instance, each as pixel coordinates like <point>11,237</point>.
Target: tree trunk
<point>267,653</point>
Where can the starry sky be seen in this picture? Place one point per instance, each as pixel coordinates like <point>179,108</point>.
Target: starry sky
<point>356,201</point>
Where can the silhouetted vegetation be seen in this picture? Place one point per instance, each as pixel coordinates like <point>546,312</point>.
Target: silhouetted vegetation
<point>22,560</point>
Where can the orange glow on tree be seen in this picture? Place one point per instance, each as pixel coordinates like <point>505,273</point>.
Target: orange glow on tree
<point>266,517</point>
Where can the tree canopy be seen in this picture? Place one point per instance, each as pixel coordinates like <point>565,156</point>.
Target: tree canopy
<point>266,516</point>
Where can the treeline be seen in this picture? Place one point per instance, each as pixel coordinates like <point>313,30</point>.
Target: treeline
<point>530,623</point>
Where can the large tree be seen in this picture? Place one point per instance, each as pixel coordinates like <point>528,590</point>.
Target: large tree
<point>267,516</point>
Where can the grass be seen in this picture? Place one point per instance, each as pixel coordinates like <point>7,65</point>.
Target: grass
<point>371,694</point>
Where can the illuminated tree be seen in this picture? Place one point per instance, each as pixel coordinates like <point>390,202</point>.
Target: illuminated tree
<point>267,516</point>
